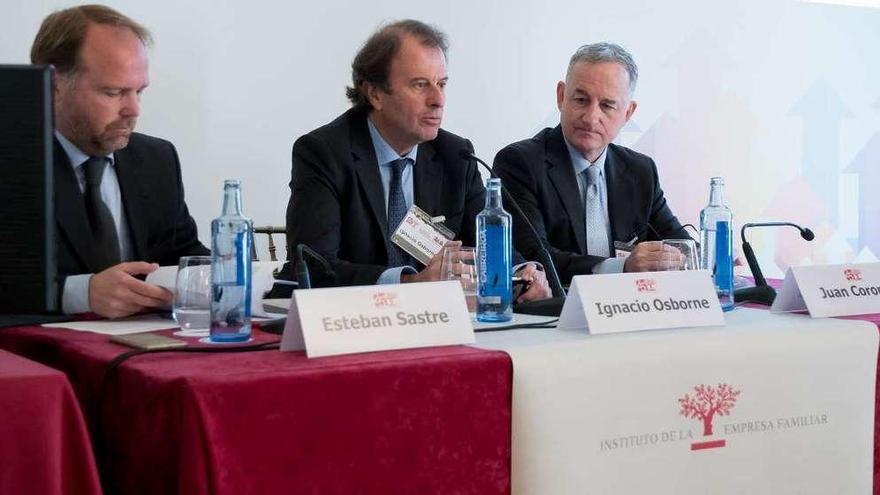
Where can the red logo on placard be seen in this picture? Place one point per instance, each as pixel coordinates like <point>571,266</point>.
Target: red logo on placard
<point>706,402</point>
<point>646,285</point>
<point>384,299</point>
<point>852,274</point>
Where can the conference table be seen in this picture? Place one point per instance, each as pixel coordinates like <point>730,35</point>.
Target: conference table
<point>432,420</point>
<point>44,445</point>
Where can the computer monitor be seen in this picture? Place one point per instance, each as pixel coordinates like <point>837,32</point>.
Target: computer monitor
<point>27,215</point>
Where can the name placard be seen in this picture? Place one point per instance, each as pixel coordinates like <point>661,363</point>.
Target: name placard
<point>347,320</point>
<point>623,302</point>
<point>830,290</point>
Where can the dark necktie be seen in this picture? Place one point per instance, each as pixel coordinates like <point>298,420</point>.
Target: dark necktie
<point>396,212</point>
<point>103,229</point>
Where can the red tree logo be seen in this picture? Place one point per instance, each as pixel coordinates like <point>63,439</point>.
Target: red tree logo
<point>646,285</point>
<point>384,299</point>
<point>706,402</point>
<point>852,274</point>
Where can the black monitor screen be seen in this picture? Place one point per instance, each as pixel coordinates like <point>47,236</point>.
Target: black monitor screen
<point>27,218</point>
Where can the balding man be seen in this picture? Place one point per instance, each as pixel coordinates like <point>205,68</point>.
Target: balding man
<point>119,196</point>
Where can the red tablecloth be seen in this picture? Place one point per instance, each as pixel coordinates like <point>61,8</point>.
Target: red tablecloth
<point>44,445</point>
<point>417,421</point>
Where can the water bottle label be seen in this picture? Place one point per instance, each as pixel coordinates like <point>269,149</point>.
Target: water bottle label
<point>489,299</point>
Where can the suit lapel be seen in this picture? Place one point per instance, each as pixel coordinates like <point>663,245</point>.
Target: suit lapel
<point>621,191</point>
<point>70,208</point>
<point>561,173</point>
<point>135,197</point>
<point>428,183</point>
<point>367,168</point>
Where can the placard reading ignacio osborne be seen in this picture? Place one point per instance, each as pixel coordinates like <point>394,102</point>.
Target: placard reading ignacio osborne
<point>624,302</point>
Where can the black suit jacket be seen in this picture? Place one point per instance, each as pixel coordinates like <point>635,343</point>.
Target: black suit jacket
<point>337,202</point>
<point>162,229</point>
<point>539,173</point>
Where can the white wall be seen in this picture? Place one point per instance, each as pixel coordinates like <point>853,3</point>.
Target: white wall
<point>771,94</point>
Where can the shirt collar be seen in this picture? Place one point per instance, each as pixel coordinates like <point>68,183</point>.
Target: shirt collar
<point>76,156</point>
<point>385,154</point>
<point>580,163</point>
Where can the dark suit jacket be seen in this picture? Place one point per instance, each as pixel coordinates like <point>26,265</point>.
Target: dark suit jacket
<point>162,229</point>
<point>538,172</point>
<point>337,202</point>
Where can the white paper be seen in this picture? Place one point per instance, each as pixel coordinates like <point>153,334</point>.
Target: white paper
<point>263,276</point>
<point>166,277</point>
<point>121,326</point>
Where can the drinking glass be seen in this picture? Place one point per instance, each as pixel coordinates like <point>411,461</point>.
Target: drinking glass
<point>192,293</point>
<point>688,249</point>
<point>459,264</point>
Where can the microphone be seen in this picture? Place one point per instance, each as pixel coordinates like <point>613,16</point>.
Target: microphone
<point>543,253</point>
<point>301,267</point>
<point>762,293</point>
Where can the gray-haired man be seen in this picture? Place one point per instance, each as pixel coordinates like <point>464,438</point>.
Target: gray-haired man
<point>581,192</point>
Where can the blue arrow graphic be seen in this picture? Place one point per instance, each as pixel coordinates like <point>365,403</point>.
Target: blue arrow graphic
<point>822,110</point>
<point>867,165</point>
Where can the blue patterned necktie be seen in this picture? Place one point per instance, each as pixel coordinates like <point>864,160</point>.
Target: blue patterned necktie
<point>396,212</point>
<point>597,233</point>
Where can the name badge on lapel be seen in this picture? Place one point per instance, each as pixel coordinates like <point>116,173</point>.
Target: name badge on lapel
<point>421,235</point>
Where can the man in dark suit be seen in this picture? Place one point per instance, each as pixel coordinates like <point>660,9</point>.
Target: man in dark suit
<point>581,192</point>
<point>118,195</point>
<point>353,178</point>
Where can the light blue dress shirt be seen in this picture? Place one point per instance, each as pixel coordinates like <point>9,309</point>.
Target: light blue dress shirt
<point>610,265</point>
<point>75,295</point>
<point>385,154</point>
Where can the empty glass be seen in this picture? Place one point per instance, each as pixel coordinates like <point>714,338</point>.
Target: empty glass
<point>192,294</point>
<point>459,264</point>
<point>689,259</point>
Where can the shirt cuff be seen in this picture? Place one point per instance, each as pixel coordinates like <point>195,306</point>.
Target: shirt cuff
<point>392,275</point>
<point>610,265</point>
<point>520,266</point>
<point>75,297</point>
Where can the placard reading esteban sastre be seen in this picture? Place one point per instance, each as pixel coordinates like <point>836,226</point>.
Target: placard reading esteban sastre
<point>377,317</point>
<point>623,302</point>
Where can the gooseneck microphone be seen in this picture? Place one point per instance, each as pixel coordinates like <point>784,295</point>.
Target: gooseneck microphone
<point>303,274</point>
<point>543,253</point>
<point>762,293</point>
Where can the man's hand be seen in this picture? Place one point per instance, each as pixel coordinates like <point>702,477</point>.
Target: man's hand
<point>430,273</point>
<point>653,256</point>
<point>538,288</point>
<point>114,293</point>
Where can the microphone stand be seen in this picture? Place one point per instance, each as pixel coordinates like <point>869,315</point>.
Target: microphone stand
<point>761,293</point>
<point>301,267</point>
